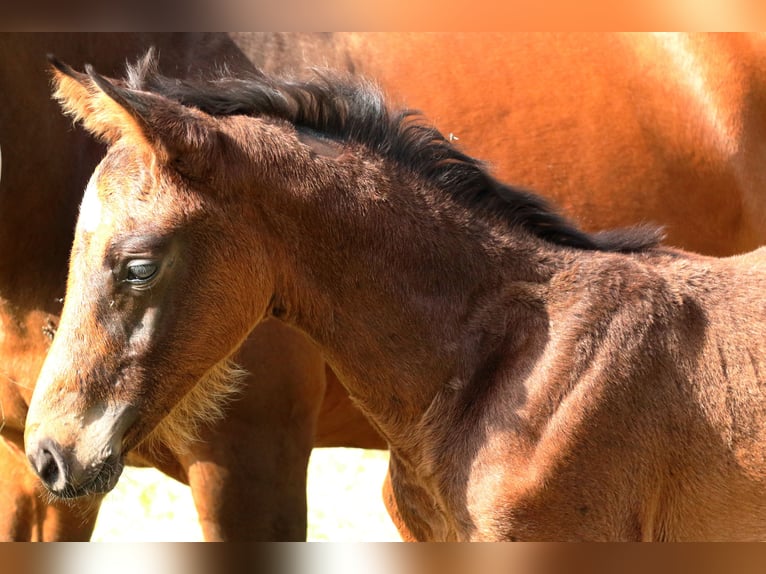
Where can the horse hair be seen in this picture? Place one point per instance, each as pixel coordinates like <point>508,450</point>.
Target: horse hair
<point>354,111</point>
<point>205,404</point>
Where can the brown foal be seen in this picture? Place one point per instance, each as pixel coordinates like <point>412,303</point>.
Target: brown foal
<point>534,382</point>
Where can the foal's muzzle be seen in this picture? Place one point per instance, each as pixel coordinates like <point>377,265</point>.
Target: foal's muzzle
<point>66,477</point>
<point>77,454</point>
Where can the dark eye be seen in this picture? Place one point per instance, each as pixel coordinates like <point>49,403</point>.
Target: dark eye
<point>140,271</point>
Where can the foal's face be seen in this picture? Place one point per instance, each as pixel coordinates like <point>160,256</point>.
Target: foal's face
<point>156,296</point>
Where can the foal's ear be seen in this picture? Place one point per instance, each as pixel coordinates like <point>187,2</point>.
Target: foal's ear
<point>182,137</point>
<point>80,99</point>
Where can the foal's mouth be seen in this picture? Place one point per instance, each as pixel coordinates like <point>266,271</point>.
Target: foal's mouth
<point>99,480</point>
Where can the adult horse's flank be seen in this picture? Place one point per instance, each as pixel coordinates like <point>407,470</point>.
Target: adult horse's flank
<point>533,381</point>
<point>617,129</point>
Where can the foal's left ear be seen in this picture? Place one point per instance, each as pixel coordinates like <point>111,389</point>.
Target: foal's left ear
<point>182,137</point>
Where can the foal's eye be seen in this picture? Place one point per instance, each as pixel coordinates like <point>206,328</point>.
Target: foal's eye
<point>140,272</point>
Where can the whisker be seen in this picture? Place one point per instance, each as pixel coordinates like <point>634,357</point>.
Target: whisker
<point>15,382</point>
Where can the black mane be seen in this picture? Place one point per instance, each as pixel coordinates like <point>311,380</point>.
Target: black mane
<point>355,111</point>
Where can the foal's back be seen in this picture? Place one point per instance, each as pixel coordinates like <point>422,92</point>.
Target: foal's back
<point>649,377</point>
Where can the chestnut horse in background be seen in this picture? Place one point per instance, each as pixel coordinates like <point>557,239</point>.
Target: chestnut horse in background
<point>533,381</point>
<point>618,129</point>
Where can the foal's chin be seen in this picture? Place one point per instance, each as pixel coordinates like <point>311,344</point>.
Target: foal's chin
<point>101,480</point>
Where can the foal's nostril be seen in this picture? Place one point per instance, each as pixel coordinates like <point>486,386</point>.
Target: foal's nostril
<point>48,463</point>
<point>48,467</point>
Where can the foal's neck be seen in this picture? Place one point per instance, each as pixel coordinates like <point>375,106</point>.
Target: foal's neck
<point>404,291</point>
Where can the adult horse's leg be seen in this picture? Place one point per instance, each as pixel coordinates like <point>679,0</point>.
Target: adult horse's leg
<point>67,521</point>
<point>248,474</point>
<point>29,514</point>
<point>341,423</point>
<point>20,519</point>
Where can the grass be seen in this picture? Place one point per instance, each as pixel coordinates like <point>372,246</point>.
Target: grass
<point>343,492</point>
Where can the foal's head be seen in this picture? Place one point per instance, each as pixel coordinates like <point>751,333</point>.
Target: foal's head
<point>143,322</point>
